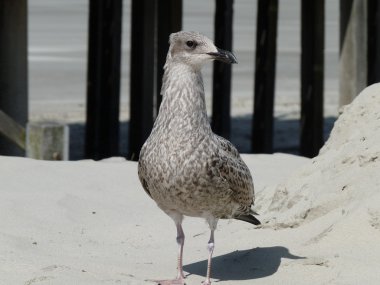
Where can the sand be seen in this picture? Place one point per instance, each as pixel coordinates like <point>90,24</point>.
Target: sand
<point>90,222</point>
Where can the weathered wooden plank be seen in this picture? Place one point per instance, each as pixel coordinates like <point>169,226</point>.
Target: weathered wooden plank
<point>14,69</point>
<point>103,79</point>
<point>47,141</point>
<point>266,43</point>
<point>312,72</point>
<point>353,49</point>
<point>10,129</point>
<point>221,91</point>
<point>373,42</point>
<point>142,74</point>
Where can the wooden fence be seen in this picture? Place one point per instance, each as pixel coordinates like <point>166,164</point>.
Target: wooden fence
<point>152,23</point>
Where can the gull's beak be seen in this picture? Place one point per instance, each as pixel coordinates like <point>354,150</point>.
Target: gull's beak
<point>223,55</point>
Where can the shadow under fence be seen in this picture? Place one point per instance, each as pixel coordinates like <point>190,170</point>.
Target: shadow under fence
<point>286,135</point>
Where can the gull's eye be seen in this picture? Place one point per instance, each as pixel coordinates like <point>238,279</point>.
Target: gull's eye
<point>190,44</point>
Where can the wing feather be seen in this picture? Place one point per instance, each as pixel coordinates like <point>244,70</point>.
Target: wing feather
<point>235,172</point>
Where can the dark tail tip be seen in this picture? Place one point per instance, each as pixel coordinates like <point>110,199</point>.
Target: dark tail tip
<point>248,218</point>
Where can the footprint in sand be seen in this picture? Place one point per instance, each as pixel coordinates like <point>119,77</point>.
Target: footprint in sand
<point>55,267</point>
<point>38,279</point>
<point>374,219</point>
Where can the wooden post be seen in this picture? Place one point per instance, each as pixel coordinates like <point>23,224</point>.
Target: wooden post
<point>353,49</point>
<point>312,70</point>
<point>13,67</point>
<point>47,141</point>
<point>266,42</point>
<point>373,42</point>
<point>222,72</point>
<point>169,20</point>
<point>103,79</point>
<point>142,74</point>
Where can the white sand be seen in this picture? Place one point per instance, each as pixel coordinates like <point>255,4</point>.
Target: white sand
<point>91,223</point>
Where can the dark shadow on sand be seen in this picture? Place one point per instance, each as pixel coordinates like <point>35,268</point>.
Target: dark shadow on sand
<point>243,265</point>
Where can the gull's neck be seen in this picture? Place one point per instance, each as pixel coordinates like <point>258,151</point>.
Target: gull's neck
<point>183,107</point>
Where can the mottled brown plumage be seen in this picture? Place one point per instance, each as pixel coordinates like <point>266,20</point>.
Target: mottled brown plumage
<point>184,167</point>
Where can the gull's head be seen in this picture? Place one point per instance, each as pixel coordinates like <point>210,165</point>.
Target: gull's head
<point>195,49</point>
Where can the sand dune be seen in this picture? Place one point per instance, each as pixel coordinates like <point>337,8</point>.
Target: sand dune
<point>90,222</point>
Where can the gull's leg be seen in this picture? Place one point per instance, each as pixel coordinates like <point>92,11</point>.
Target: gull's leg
<point>180,280</point>
<point>180,242</point>
<point>210,247</point>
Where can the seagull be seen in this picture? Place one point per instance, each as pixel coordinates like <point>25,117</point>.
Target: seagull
<point>183,166</point>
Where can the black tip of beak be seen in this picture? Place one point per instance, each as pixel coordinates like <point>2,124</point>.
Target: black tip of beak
<point>223,55</point>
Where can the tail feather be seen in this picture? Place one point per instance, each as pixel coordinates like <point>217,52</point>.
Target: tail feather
<point>248,218</point>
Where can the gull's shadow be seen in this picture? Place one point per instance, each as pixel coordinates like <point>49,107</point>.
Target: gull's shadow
<point>243,265</point>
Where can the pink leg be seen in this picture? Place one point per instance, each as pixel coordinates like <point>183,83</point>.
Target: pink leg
<point>180,280</point>
<point>180,242</point>
<point>210,247</point>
